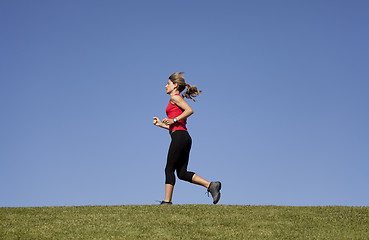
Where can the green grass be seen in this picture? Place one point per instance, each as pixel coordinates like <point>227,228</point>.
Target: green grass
<point>185,222</point>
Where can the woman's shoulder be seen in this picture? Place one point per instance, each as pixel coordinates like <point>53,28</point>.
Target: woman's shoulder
<point>176,98</point>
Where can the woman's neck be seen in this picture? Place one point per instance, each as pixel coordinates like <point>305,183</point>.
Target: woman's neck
<point>175,92</point>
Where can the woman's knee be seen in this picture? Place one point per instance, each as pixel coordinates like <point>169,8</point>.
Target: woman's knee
<point>181,175</point>
<point>170,179</point>
<point>169,176</point>
<point>185,176</point>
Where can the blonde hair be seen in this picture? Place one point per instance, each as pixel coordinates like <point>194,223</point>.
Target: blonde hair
<point>178,77</point>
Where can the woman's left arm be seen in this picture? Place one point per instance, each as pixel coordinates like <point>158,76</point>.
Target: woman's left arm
<point>180,102</point>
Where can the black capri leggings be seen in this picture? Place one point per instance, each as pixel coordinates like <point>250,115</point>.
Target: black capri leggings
<point>178,155</point>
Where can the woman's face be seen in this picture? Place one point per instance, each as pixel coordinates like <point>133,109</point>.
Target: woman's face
<point>170,86</point>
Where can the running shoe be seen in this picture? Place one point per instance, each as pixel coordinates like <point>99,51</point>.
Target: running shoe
<point>165,203</point>
<point>214,189</point>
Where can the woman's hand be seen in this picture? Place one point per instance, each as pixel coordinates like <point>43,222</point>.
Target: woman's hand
<point>168,121</point>
<point>159,123</point>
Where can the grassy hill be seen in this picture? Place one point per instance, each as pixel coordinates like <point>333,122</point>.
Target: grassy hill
<point>185,222</point>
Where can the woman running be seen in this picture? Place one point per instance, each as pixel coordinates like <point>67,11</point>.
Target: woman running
<point>178,111</point>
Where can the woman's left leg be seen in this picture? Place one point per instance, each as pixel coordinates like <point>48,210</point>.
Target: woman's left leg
<point>183,174</point>
<point>200,181</point>
<point>181,167</point>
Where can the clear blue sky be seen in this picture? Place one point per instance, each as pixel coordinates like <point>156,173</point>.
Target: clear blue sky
<point>282,120</point>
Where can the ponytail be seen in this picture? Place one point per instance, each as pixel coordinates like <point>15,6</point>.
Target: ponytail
<point>191,92</point>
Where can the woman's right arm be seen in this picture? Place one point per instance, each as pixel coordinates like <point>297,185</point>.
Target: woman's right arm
<point>159,123</point>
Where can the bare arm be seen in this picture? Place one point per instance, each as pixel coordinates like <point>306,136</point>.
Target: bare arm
<point>180,102</point>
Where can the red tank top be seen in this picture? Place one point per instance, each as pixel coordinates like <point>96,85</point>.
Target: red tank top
<point>172,112</point>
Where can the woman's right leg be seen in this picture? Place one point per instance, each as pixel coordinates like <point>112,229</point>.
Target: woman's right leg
<point>168,192</point>
<point>172,158</point>
<point>170,180</point>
